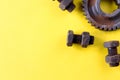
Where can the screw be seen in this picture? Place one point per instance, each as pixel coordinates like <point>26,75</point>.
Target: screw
<point>113,58</point>
<point>84,40</point>
<point>66,5</point>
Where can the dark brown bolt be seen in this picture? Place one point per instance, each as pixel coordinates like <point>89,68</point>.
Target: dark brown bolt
<point>84,40</point>
<point>112,58</point>
<point>66,5</point>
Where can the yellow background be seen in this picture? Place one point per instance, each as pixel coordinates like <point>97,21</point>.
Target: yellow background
<point>33,43</point>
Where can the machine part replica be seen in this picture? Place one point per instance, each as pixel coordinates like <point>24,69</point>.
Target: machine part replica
<point>98,18</point>
<point>66,5</point>
<point>84,40</point>
<point>113,58</point>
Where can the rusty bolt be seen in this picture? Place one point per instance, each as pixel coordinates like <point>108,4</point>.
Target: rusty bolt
<point>113,58</point>
<point>84,40</point>
<point>66,5</point>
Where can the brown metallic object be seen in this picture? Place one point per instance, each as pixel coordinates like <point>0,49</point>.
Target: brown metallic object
<point>66,5</point>
<point>84,39</point>
<point>113,58</point>
<point>98,18</point>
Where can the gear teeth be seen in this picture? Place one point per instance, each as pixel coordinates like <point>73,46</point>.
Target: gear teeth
<point>118,27</point>
<point>89,21</point>
<point>97,26</point>
<point>85,14</point>
<point>82,6</point>
<point>102,28</point>
<point>88,17</point>
<point>110,29</point>
<point>83,9</point>
<point>92,24</point>
<point>114,28</point>
<point>105,27</point>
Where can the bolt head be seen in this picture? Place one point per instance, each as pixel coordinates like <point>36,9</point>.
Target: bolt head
<point>111,44</point>
<point>70,38</point>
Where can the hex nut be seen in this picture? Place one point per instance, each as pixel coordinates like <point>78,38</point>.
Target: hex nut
<point>113,59</point>
<point>85,39</point>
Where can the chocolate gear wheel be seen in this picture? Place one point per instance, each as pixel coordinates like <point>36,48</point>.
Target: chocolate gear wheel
<point>98,18</point>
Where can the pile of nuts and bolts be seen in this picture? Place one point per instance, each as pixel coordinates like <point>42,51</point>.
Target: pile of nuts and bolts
<point>99,20</point>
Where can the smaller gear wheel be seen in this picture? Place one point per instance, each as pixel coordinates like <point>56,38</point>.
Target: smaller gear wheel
<point>98,18</point>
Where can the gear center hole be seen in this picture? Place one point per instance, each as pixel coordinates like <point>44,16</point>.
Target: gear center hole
<point>108,6</point>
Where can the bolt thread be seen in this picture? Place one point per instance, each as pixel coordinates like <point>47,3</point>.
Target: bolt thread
<point>91,40</point>
<point>77,39</point>
<point>112,51</point>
